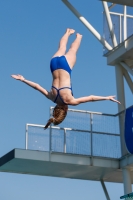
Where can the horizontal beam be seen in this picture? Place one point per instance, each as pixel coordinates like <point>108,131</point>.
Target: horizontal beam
<point>122,2</point>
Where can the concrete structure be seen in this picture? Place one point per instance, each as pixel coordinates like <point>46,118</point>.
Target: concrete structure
<point>64,165</point>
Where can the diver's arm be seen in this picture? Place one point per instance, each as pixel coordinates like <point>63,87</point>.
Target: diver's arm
<point>91,98</point>
<point>36,86</point>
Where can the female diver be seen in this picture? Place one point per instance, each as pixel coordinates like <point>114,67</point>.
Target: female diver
<point>61,93</point>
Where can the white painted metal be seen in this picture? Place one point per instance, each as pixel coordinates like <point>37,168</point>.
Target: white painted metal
<point>120,93</point>
<point>127,68</point>
<point>105,190</point>
<point>119,78</point>
<point>125,23</point>
<point>79,130</point>
<point>123,52</point>
<point>26,137</point>
<point>89,112</point>
<point>88,25</point>
<point>60,165</point>
<point>112,5</point>
<point>37,125</point>
<point>122,2</point>
<point>50,137</point>
<point>128,79</point>
<point>121,97</point>
<point>91,130</point>
<point>120,14</point>
<point>127,181</point>
<point>64,140</point>
<point>111,28</point>
<point>120,29</point>
<point>120,88</point>
<point>127,161</point>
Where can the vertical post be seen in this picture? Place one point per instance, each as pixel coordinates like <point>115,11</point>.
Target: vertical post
<point>91,129</point>
<point>111,28</point>
<point>26,137</point>
<point>121,97</point>
<point>50,136</point>
<point>121,107</point>
<point>120,30</point>
<point>64,140</point>
<point>125,22</point>
<point>127,181</point>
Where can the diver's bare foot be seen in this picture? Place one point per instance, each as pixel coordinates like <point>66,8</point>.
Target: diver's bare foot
<point>70,31</point>
<point>79,35</point>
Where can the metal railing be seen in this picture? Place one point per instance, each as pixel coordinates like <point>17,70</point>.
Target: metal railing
<point>91,134</point>
<point>119,29</point>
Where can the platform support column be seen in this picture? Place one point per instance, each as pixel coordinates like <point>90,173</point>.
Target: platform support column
<point>105,190</point>
<point>127,181</point>
<point>121,107</point>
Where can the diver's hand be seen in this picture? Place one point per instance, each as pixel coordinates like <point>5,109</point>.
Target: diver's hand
<point>18,77</point>
<point>112,98</point>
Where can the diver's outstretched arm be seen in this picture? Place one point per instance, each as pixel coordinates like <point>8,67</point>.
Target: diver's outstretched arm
<point>91,98</point>
<point>36,86</point>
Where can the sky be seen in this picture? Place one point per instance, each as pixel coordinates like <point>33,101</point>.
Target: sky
<point>29,35</point>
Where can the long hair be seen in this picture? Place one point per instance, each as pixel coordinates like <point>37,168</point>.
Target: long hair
<point>59,114</point>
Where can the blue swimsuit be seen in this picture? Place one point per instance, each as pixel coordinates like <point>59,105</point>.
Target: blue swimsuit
<point>60,63</point>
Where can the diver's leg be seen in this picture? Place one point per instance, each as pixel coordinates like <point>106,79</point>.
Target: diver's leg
<point>71,54</point>
<point>63,42</point>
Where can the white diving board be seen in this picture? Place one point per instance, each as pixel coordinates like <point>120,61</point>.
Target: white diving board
<point>122,2</point>
<point>62,165</point>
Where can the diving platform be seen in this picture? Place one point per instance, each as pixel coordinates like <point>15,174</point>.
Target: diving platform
<point>122,53</point>
<point>65,165</point>
<point>61,165</point>
<point>89,150</point>
<point>122,2</point>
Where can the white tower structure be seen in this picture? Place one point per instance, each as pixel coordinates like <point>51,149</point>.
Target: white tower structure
<point>120,55</point>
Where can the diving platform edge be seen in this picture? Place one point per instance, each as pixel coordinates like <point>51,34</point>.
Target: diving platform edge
<point>62,165</point>
<point>122,53</point>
